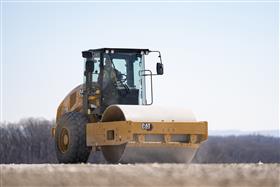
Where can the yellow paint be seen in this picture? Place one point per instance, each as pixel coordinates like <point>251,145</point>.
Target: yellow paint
<point>127,131</point>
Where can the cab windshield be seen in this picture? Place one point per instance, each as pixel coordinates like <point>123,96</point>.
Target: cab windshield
<point>126,67</point>
<point>121,82</point>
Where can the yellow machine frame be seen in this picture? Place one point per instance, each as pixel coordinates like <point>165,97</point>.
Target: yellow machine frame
<point>120,132</point>
<point>131,132</point>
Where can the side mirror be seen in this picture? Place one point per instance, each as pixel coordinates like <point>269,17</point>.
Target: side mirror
<point>89,66</point>
<point>159,68</point>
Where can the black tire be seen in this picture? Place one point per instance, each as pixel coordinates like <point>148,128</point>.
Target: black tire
<point>70,138</point>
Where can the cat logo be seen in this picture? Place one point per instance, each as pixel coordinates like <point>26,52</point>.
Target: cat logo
<point>147,126</point>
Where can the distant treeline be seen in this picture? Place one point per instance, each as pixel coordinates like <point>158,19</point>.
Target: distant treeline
<point>30,141</point>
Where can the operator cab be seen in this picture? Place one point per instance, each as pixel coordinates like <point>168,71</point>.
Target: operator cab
<point>118,75</point>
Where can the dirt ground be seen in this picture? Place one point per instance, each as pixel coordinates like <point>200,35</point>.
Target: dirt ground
<point>141,175</point>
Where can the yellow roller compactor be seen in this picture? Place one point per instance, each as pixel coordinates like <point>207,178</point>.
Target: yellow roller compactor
<point>110,113</point>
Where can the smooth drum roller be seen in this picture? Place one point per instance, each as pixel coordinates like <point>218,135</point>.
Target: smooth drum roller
<point>128,153</point>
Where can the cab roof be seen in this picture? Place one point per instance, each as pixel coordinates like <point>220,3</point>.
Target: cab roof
<point>119,50</point>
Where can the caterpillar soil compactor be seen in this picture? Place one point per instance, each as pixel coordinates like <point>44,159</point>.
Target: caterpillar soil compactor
<point>110,113</point>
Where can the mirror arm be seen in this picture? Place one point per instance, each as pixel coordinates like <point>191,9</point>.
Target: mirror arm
<point>159,55</point>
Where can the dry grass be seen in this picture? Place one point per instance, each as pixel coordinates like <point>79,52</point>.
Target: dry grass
<point>141,175</point>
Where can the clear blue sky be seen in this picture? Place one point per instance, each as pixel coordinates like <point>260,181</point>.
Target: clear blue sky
<point>221,59</point>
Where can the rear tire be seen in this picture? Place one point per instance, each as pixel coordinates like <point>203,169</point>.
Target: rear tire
<point>70,138</point>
